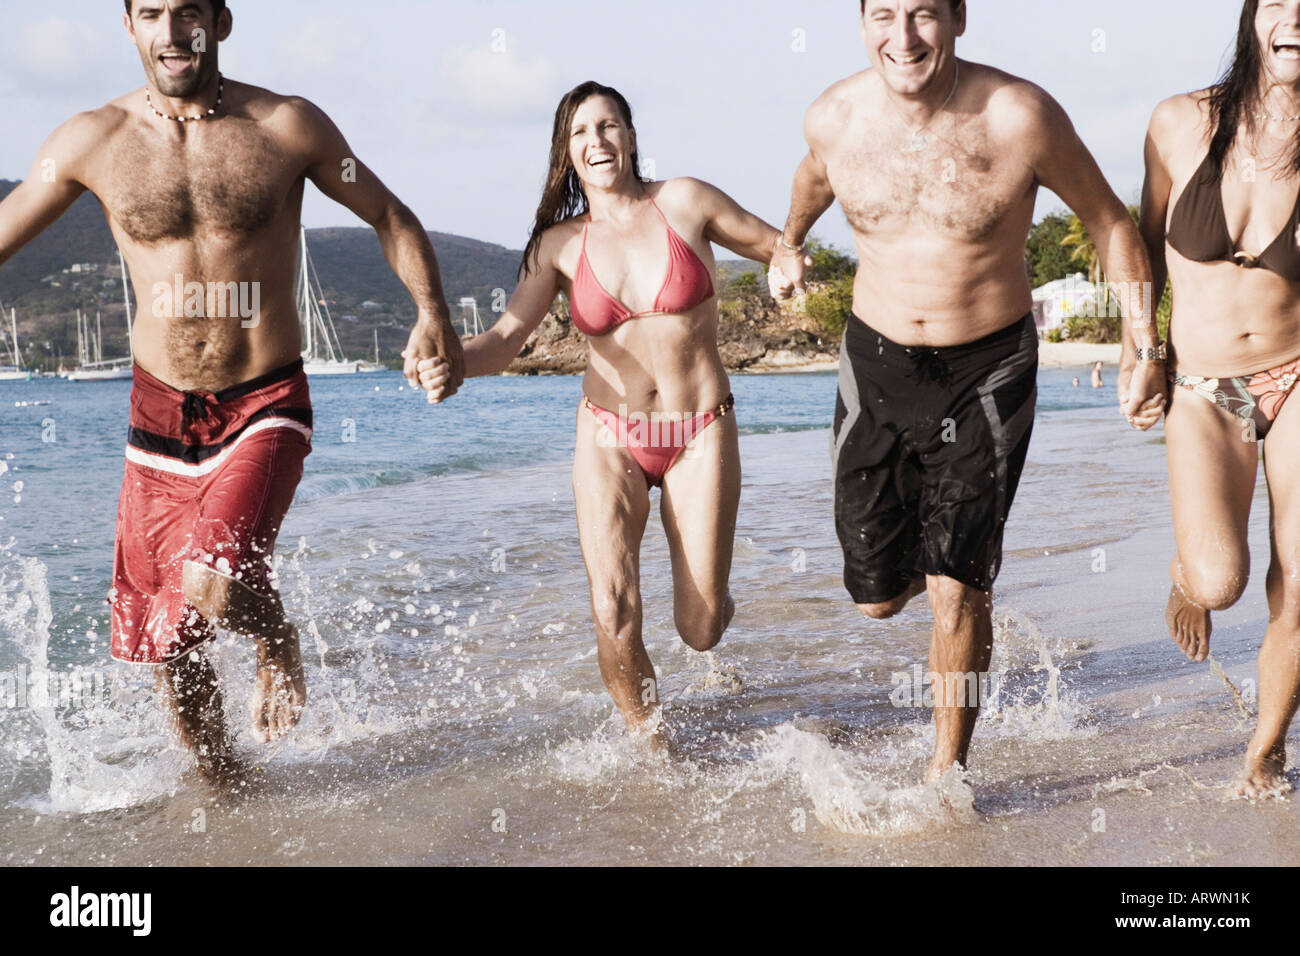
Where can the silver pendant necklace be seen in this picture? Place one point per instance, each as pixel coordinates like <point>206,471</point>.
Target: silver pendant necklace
<point>919,140</point>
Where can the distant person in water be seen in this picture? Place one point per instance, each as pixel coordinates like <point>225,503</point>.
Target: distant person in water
<point>1220,215</point>
<point>1096,377</point>
<point>1076,381</point>
<point>634,259</point>
<point>202,177</point>
<point>937,163</point>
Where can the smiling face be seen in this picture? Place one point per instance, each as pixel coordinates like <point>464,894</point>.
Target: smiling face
<point>177,41</point>
<point>1277,27</point>
<point>601,143</point>
<point>912,42</point>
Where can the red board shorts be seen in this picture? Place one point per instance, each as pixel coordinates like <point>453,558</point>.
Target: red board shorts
<point>209,478</point>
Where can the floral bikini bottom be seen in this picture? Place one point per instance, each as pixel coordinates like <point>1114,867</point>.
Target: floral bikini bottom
<point>1255,399</point>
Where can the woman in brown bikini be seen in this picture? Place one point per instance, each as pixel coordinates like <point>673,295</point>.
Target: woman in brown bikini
<point>1220,215</point>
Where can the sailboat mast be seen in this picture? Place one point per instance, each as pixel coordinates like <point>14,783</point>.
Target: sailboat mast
<point>306,295</point>
<point>99,338</point>
<point>126,298</point>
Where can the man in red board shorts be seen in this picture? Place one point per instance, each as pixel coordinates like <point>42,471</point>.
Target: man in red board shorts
<point>202,179</point>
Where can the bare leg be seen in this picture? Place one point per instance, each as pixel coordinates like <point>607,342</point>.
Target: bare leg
<point>280,691</point>
<point>613,505</point>
<point>960,651</point>
<point>189,689</point>
<point>1279,655</point>
<point>1212,476</point>
<point>700,499</point>
<point>882,612</point>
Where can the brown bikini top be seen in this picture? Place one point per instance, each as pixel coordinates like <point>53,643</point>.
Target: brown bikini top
<point>1199,229</point>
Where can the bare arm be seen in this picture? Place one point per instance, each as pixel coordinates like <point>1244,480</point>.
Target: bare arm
<point>345,179</point>
<point>1064,165</point>
<point>491,352</point>
<point>53,185</point>
<point>1157,189</point>
<point>731,226</point>
<point>810,197</point>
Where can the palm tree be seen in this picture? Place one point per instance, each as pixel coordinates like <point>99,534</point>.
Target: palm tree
<point>1083,250</point>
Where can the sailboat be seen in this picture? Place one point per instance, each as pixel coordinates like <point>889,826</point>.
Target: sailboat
<point>374,366</point>
<point>101,370</point>
<point>14,372</point>
<point>322,354</point>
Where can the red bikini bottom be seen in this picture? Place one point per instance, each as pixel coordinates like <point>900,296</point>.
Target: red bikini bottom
<point>655,441</point>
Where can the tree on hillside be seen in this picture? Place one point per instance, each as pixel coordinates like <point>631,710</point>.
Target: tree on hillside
<point>833,271</point>
<point>1046,259</point>
<point>828,262</point>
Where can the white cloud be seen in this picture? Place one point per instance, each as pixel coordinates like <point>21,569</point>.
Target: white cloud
<point>500,85</point>
<point>318,46</point>
<point>58,52</point>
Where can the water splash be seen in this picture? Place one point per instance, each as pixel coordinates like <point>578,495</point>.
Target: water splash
<point>103,753</point>
<point>1030,698</point>
<point>847,797</point>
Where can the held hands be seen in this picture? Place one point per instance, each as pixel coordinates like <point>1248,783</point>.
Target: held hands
<point>435,377</point>
<point>785,277</point>
<point>434,341</point>
<point>1142,388</point>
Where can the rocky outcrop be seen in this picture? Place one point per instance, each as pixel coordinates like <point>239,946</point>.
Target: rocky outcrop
<point>755,334</point>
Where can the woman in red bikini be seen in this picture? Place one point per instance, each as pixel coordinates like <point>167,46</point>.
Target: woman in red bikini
<point>1223,173</point>
<point>634,260</point>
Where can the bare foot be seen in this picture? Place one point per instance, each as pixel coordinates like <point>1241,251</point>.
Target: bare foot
<point>222,769</point>
<point>938,767</point>
<point>1189,625</point>
<point>1264,776</point>
<point>280,690</point>
<point>653,734</point>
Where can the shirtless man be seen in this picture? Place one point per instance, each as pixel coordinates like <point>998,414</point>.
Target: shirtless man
<point>937,163</point>
<point>202,180</point>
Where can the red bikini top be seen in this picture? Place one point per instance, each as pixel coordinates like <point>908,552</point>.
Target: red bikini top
<point>686,284</point>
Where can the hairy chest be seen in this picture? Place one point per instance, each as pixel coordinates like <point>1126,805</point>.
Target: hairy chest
<point>220,181</point>
<point>957,184</point>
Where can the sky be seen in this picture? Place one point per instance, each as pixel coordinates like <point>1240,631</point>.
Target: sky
<point>452,103</point>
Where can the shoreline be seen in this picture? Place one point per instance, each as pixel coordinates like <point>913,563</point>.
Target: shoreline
<point>1053,355</point>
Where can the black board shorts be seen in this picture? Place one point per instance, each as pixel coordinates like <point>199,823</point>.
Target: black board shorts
<point>928,447</point>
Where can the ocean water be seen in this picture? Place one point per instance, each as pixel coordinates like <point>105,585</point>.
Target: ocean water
<point>456,713</point>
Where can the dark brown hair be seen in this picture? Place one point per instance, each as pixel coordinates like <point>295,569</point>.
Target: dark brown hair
<point>862,5</point>
<point>217,7</point>
<point>563,197</point>
<point>1237,94</point>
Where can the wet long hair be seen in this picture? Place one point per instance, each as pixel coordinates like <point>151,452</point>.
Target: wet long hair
<point>1237,94</point>
<point>563,198</point>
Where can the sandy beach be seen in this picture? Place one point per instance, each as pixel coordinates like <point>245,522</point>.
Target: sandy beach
<point>1076,354</point>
